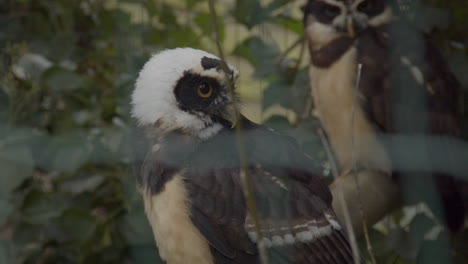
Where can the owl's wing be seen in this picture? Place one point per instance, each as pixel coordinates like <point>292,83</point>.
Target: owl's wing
<point>407,88</point>
<point>405,79</point>
<point>294,205</point>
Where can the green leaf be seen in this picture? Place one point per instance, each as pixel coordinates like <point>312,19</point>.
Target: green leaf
<point>16,163</point>
<point>31,66</point>
<point>278,122</point>
<point>403,243</point>
<point>39,207</point>
<point>167,16</point>
<point>78,225</point>
<point>82,184</point>
<point>67,152</point>
<point>58,79</point>
<point>136,228</point>
<point>25,233</point>
<point>420,225</point>
<point>378,240</point>
<point>250,13</point>
<point>276,93</point>
<point>275,4</point>
<point>435,252</point>
<point>192,3</point>
<point>203,20</point>
<point>458,64</point>
<point>436,17</point>
<point>259,53</point>
<point>62,46</point>
<point>144,254</point>
<point>4,99</point>
<point>6,208</point>
<point>109,145</point>
<point>6,252</point>
<point>108,20</point>
<point>290,95</point>
<point>306,132</point>
<point>300,91</point>
<point>290,24</point>
<point>398,215</point>
<point>10,28</point>
<point>60,12</point>
<point>38,24</point>
<point>185,36</point>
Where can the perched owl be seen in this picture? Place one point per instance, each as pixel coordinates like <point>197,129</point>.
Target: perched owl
<point>405,90</point>
<point>190,173</point>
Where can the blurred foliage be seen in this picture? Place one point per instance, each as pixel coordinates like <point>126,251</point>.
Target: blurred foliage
<point>67,194</point>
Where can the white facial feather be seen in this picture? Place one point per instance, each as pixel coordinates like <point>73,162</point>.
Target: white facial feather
<point>323,33</point>
<point>153,99</point>
<point>320,34</point>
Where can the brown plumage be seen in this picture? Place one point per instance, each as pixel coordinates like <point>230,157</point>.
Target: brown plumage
<point>393,111</point>
<point>293,201</point>
<point>188,170</point>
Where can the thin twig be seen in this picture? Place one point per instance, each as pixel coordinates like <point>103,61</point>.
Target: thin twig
<point>245,178</point>
<point>301,55</point>
<point>328,152</point>
<point>308,106</point>
<point>295,72</point>
<point>354,170</point>
<point>288,50</point>
<point>347,218</point>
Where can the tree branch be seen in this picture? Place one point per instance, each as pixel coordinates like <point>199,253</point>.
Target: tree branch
<point>245,177</point>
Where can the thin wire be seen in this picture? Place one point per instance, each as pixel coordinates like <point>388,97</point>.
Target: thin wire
<point>281,57</point>
<point>354,169</point>
<point>245,178</point>
<point>346,215</point>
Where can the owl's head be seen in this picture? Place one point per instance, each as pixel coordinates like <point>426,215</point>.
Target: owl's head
<point>327,19</point>
<point>184,89</point>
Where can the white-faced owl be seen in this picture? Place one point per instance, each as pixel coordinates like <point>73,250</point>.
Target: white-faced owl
<point>189,173</point>
<point>405,92</point>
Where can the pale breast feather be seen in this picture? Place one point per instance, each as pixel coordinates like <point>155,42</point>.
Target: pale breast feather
<point>339,108</point>
<point>198,213</point>
<point>178,240</point>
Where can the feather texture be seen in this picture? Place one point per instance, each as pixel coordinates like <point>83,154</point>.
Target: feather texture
<point>412,93</point>
<point>294,204</point>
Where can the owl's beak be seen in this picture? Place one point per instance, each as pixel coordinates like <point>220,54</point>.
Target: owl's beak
<point>350,26</point>
<point>230,115</point>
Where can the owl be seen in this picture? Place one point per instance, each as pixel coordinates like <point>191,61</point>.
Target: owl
<point>378,81</point>
<point>190,173</point>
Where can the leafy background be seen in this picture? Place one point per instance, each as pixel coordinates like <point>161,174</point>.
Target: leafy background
<point>67,194</point>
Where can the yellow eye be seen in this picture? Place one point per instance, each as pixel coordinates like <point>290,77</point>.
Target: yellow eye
<point>205,90</point>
